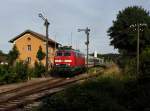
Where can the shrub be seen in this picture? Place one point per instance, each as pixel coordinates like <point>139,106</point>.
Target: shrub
<point>145,64</point>
<point>17,73</point>
<point>3,69</point>
<point>21,70</point>
<point>13,55</point>
<point>39,69</point>
<point>102,94</point>
<point>95,95</point>
<point>40,54</point>
<point>130,68</point>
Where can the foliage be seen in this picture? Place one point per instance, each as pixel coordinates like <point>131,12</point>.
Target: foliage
<point>3,57</point>
<point>129,67</point>
<point>102,94</point>
<point>40,54</point>
<point>110,57</point>
<point>123,37</point>
<point>21,69</point>
<point>39,69</point>
<point>145,63</point>
<point>13,55</point>
<point>17,73</point>
<point>4,71</point>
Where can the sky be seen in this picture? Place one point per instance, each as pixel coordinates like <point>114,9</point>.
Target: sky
<point>65,17</point>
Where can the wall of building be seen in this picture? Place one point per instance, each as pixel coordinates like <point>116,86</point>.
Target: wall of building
<point>23,43</point>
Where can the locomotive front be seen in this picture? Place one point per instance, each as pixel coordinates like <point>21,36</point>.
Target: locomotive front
<point>63,58</point>
<point>69,61</point>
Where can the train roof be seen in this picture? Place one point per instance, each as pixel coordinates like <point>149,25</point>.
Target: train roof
<point>78,51</point>
<point>68,48</point>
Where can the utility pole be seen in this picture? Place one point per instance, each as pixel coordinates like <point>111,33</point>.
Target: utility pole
<point>138,28</point>
<point>87,32</point>
<point>46,23</point>
<point>138,46</point>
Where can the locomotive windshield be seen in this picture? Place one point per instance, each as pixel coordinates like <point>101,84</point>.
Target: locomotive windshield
<point>59,54</point>
<point>67,54</point>
<point>63,53</point>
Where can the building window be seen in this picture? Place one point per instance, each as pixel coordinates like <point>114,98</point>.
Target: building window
<point>29,47</point>
<point>29,60</point>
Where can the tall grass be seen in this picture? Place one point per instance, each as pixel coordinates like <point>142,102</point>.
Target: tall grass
<point>101,94</point>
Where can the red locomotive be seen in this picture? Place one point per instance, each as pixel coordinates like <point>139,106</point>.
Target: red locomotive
<point>68,59</point>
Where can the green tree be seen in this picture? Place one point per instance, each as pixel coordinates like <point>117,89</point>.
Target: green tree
<point>3,57</point>
<point>145,63</point>
<point>39,69</point>
<point>21,71</point>
<point>123,37</point>
<point>13,55</point>
<point>40,54</point>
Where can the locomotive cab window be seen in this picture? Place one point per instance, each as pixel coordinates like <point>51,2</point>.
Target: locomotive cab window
<point>77,54</point>
<point>59,54</point>
<point>67,54</point>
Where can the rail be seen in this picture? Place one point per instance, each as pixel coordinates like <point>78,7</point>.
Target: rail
<point>21,96</point>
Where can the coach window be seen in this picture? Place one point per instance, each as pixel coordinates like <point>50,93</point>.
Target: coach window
<point>67,54</point>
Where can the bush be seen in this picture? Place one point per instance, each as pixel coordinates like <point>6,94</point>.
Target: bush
<point>145,64</point>
<point>130,68</point>
<point>21,70</point>
<point>39,69</point>
<point>95,95</point>
<point>5,75</point>
<point>130,65</point>
<point>3,69</point>
<point>17,73</point>
<point>102,94</point>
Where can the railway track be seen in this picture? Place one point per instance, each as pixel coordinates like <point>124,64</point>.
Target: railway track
<point>23,86</point>
<point>21,96</point>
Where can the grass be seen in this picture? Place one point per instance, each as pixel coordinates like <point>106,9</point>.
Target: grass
<point>108,92</point>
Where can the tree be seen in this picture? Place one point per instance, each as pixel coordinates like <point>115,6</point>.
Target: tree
<point>13,55</point>
<point>3,57</point>
<point>39,69</point>
<point>40,54</point>
<point>145,63</point>
<point>123,37</point>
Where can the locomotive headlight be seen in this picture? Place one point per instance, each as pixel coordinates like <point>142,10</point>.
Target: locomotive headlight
<point>57,60</point>
<point>67,60</point>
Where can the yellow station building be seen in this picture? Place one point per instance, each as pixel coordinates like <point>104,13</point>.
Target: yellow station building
<point>28,43</point>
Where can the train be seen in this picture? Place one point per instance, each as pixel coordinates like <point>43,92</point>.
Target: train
<point>94,61</point>
<point>69,60</point>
